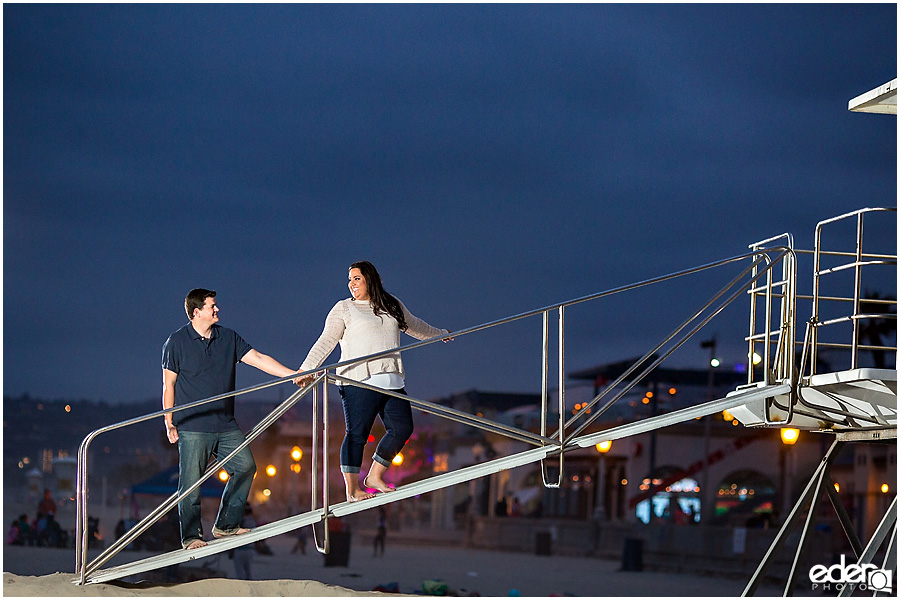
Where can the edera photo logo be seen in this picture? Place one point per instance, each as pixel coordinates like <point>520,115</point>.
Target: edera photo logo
<point>864,577</point>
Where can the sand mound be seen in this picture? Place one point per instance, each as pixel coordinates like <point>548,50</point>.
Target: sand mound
<point>60,585</point>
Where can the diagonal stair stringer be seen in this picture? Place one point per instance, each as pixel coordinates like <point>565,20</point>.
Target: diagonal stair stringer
<point>431,484</point>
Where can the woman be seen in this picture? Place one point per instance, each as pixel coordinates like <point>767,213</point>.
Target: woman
<point>367,323</point>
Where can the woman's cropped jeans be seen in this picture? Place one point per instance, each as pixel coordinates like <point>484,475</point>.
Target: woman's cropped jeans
<point>361,406</point>
<point>194,450</point>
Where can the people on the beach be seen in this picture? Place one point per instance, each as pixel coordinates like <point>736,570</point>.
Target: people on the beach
<point>380,531</point>
<point>300,544</point>
<point>198,362</point>
<point>46,506</point>
<point>368,322</point>
<point>12,535</point>
<point>243,555</point>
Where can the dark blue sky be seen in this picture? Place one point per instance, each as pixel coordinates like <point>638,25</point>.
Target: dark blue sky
<point>489,159</point>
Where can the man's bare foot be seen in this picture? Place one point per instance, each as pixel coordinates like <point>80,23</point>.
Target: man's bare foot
<point>358,494</point>
<point>376,483</point>
<point>219,533</point>
<point>195,544</point>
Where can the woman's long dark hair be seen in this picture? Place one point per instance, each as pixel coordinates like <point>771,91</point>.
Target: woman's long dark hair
<point>379,299</point>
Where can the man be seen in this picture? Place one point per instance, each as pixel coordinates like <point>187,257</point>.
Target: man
<point>198,362</point>
<point>46,506</point>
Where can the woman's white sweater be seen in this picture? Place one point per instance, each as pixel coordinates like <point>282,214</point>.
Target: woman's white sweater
<point>361,332</point>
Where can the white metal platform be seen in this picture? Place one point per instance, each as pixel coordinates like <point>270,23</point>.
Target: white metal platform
<point>843,401</point>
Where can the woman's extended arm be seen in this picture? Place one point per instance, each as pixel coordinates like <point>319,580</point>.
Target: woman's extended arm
<point>418,328</point>
<point>331,335</point>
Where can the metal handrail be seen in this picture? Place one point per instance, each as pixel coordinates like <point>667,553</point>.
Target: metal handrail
<point>856,265</point>
<point>452,414</point>
<point>147,522</point>
<point>325,547</point>
<point>322,376</point>
<point>785,253</point>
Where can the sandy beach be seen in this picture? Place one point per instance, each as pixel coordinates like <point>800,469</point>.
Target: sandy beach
<point>49,572</point>
<point>60,584</point>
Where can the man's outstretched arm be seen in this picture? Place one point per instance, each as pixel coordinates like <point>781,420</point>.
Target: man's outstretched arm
<point>267,364</point>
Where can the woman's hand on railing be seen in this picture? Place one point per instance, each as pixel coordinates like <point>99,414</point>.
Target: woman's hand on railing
<point>448,338</point>
<point>305,381</point>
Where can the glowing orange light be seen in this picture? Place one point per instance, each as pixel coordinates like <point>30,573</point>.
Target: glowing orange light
<point>789,436</point>
<point>398,460</point>
<point>604,446</point>
<point>223,476</point>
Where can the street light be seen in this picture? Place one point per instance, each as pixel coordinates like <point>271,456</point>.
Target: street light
<point>296,453</point>
<point>600,505</point>
<point>706,499</point>
<point>271,470</point>
<point>789,436</point>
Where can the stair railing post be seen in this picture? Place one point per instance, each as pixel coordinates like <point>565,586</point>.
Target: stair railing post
<point>561,394</point>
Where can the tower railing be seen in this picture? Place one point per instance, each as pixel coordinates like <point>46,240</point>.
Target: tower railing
<point>777,299</point>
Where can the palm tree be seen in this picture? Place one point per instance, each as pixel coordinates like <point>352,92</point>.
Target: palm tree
<point>873,330</point>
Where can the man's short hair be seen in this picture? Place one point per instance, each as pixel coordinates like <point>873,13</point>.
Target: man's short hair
<point>196,299</point>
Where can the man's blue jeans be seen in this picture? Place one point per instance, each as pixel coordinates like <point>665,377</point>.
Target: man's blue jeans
<point>361,406</point>
<point>194,450</point>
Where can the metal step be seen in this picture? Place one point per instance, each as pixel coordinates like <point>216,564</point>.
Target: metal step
<point>214,546</point>
<point>428,485</point>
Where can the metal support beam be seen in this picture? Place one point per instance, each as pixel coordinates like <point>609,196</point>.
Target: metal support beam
<point>805,499</point>
<point>888,524</point>
<point>844,518</point>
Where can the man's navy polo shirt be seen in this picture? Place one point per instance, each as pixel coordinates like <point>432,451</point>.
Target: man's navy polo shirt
<point>205,368</point>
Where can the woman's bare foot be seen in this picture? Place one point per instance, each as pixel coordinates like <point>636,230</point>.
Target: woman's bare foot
<point>195,544</point>
<point>219,533</point>
<point>376,483</point>
<point>354,492</point>
<point>358,494</point>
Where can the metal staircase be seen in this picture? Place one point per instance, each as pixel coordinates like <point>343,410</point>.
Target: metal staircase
<point>421,487</point>
<point>858,402</point>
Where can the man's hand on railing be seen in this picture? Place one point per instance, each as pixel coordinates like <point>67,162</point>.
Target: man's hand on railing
<point>447,339</point>
<point>171,433</point>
